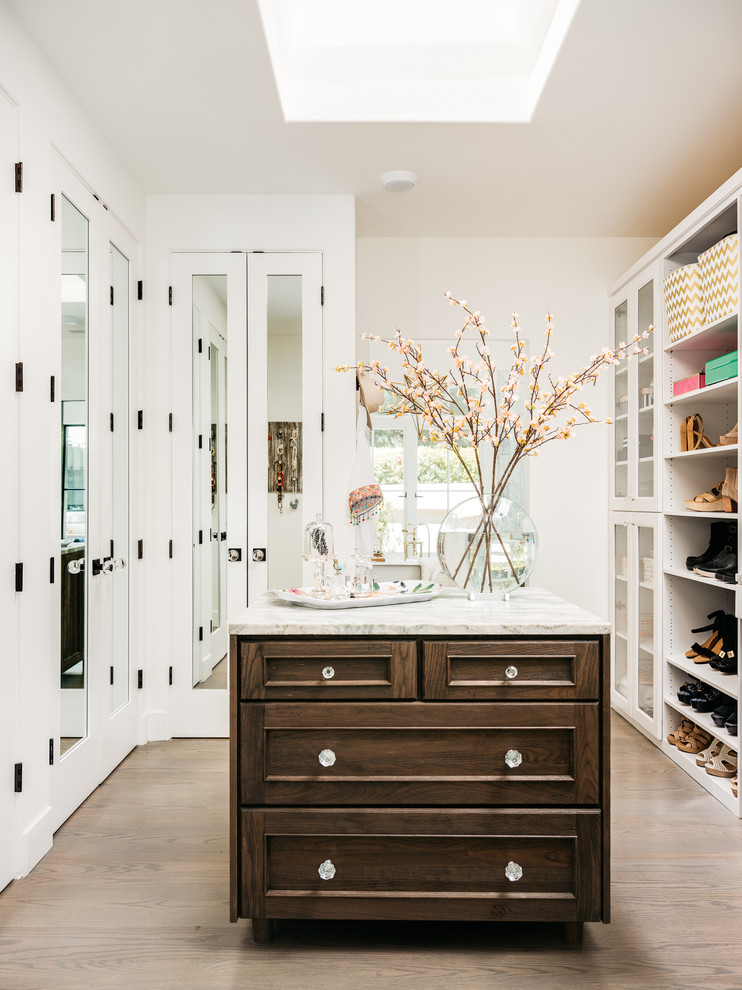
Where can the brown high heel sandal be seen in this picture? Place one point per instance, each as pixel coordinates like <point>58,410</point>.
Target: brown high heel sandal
<point>696,438</point>
<point>729,438</point>
<point>714,639</point>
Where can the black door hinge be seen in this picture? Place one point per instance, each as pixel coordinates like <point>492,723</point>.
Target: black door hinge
<point>322,423</point>
<point>200,634</point>
<point>51,752</point>
<point>140,549</point>
<point>52,389</point>
<point>140,419</point>
<point>19,577</point>
<point>112,295</point>
<point>111,422</point>
<point>170,423</point>
<point>322,296</point>
<point>53,209</point>
<point>140,290</point>
<point>209,352</point>
<point>111,680</point>
<point>200,536</point>
<point>140,679</point>
<point>19,376</point>
<point>51,570</point>
<point>170,549</point>
<point>211,625</point>
<point>200,441</point>
<point>18,778</point>
<point>19,176</point>
<point>170,295</point>
<point>170,675</point>
<point>200,345</point>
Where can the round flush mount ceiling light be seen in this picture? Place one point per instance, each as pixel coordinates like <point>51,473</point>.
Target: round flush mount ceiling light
<point>399,180</point>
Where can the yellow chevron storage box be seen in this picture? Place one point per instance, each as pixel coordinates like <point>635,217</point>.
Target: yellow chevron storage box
<point>720,278</point>
<point>684,307</point>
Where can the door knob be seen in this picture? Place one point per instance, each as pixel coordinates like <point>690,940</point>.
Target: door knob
<point>234,553</point>
<point>77,565</point>
<point>258,553</point>
<point>109,566</point>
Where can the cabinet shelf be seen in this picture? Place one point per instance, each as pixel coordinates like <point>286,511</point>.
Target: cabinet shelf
<point>704,720</point>
<point>720,334</point>
<point>690,514</point>
<point>720,392</point>
<point>726,683</point>
<point>719,787</point>
<point>646,409</point>
<point>621,416</point>
<point>646,460</point>
<point>691,576</point>
<point>707,452</point>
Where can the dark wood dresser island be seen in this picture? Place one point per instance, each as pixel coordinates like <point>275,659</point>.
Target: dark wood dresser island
<point>443,760</point>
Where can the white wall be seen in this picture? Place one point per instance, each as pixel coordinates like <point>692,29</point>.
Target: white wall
<point>323,224</point>
<point>48,118</point>
<point>400,283</point>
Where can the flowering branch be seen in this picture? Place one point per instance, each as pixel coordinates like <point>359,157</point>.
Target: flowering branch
<point>465,408</point>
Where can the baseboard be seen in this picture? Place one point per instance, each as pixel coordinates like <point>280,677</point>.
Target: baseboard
<point>35,842</point>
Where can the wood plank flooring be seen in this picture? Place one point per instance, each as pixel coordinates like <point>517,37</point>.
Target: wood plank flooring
<point>135,894</point>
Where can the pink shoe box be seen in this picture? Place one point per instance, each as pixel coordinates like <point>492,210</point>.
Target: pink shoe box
<point>691,384</point>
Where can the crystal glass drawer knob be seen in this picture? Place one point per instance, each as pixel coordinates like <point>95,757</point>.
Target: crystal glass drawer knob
<point>327,870</point>
<point>328,673</point>
<point>512,871</point>
<point>511,672</point>
<point>326,758</point>
<point>513,758</point>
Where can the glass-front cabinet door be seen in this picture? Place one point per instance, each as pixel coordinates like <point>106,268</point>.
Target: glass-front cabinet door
<point>636,449</point>
<point>636,653</point>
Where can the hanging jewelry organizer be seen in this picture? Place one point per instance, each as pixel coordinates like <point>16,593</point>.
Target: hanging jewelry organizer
<point>285,462</point>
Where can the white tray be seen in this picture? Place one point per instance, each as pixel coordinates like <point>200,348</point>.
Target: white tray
<point>389,593</point>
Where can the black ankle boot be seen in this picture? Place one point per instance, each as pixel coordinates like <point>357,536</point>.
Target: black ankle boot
<point>722,534</point>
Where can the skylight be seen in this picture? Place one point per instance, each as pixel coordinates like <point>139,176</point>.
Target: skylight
<point>413,60</point>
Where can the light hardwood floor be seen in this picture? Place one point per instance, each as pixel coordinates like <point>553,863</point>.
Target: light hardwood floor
<point>134,895</point>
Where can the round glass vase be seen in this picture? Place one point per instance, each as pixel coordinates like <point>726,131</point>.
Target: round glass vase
<point>487,546</point>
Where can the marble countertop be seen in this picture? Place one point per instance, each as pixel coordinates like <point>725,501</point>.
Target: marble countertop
<point>530,612</point>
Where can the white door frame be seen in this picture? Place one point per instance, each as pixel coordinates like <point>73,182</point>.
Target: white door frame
<point>10,553</point>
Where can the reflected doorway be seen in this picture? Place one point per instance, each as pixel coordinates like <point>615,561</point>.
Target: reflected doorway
<point>210,638</point>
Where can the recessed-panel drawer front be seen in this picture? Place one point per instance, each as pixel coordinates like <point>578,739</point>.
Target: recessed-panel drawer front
<point>327,670</point>
<point>484,865</point>
<point>518,670</point>
<point>442,754</point>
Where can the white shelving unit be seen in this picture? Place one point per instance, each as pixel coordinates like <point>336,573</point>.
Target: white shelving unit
<point>682,599</point>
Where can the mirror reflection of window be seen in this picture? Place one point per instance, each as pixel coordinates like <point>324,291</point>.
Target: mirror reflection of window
<point>74,471</point>
<point>210,621</point>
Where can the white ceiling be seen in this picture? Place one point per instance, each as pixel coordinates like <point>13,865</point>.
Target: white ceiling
<point>638,122</point>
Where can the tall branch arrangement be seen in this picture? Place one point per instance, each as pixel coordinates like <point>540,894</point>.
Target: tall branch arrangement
<point>464,407</point>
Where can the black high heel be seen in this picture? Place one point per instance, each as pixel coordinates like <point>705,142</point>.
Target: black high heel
<point>713,640</point>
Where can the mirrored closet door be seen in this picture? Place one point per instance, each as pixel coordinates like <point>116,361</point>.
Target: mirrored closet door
<point>96,715</point>
<point>247,384</point>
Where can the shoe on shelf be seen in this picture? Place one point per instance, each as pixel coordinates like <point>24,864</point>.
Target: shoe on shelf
<point>723,712</point>
<point>682,731</point>
<point>721,534</point>
<point>725,560</point>
<point>724,645</point>
<point>713,639</point>
<point>727,574</point>
<point>725,664</point>
<point>706,754</point>
<point>687,691</point>
<point>729,490</point>
<point>734,785</point>
<point>695,741</point>
<point>692,436</point>
<point>724,764</point>
<point>707,700</point>
<point>711,501</point>
<point>731,723</point>
<point>729,438</point>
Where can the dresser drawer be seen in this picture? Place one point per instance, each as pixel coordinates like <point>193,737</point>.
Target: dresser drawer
<point>326,670</point>
<point>416,753</point>
<point>548,669</point>
<point>459,863</point>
